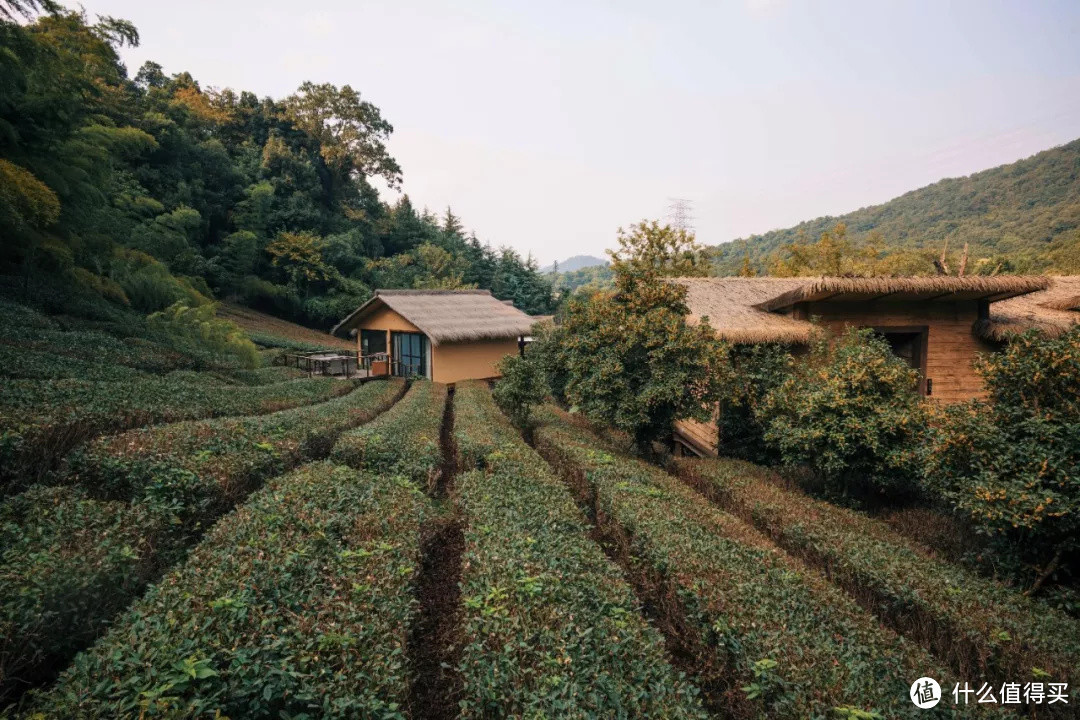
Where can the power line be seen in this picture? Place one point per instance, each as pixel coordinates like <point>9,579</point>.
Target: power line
<point>680,214</point>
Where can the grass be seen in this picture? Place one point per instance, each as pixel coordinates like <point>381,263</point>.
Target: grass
<point>269,331</point>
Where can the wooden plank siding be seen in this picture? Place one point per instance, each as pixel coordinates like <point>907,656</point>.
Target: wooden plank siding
<point>951,341</point>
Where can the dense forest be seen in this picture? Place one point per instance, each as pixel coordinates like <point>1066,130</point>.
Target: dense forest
<point>153,189</point>
<point>1023,217</point>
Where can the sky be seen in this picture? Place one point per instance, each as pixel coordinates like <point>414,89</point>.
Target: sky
<point>548,125</point>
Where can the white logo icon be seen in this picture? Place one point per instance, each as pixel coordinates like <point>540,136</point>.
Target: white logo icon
<point>925,693</point>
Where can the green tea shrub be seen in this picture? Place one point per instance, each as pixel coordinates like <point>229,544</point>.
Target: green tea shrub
<point>176,480</point>
<point>67,564</point>
<point>978,626</point>
<point>41,421</point>
<point>298,605</point>
<point>770,637</point>
<point>850,411</point>
<point>1011,464</point>
<point>556,632</point>
<point>402,441</point>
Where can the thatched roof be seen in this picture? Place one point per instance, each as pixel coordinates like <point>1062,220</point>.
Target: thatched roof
<point>750,310</point>
<point>944,289</point>
<point>1053,311</point>
<point>447,315</point>
<point>730,303</point>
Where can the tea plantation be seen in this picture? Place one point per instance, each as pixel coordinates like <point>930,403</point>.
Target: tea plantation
<point>182,536</point>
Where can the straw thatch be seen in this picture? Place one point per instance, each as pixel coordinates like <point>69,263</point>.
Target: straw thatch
<point>943,288</point>
<point>1052,311</point>
<point>447,315</point>
<point>744,310</point>
<point>730,303</point>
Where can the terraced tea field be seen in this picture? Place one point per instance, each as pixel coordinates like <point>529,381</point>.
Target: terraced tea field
<point>227,543</point>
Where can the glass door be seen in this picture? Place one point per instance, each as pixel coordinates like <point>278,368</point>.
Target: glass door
<point>409,354</point>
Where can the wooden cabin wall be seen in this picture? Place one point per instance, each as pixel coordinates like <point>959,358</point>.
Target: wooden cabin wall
<point>951,344</point>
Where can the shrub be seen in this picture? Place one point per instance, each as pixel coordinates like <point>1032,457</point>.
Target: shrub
<point>977,626</point>
<point>402,441</point>
<point>181,477</point>
<point>18,362</point>
<point>227,455</point>
<point>1012,465</point>
<point>768,636</point>
<point>851,413</point>
<point>40,421</point>
<point>201,323</point>
<point>298,606</point>
<point>521,387</point>
<point>67,564</point>
<point>556,632</point>
<point>756,371</point>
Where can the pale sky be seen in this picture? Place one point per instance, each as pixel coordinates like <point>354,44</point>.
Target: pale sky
<point>547,125</point>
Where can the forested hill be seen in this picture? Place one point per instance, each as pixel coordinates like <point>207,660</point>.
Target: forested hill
<point>1021,217</point>
<point>152,189</point>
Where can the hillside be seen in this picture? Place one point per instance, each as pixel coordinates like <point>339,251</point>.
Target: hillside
<point>149,189</point>
<point>576,262</point>
<point>1020,217</point>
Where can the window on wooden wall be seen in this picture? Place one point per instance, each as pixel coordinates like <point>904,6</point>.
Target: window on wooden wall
<point>909,344</point>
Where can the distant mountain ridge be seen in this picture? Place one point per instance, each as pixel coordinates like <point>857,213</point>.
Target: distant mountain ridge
<point>1020,217</point>
<point>575,263</point>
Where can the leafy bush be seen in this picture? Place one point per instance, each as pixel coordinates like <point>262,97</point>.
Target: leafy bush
<point>227,456</point>
<point>16,362</point>
<point>40,421</point>
<point>523,385</point>
<point>768,636</point>
<point>402,441</point>
<point>67,564</point>
<point>202,324</point>
<point>629,357</point>
<point>556,632</point>
<point>299,605</point>
<point>979,627</point>
<point>851,412</point>
<point>178,479</point>
<point>1012,465</point>
<point>757,370</point>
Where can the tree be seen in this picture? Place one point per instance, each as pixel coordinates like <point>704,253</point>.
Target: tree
<point>850,412</point>
<point>629,356</point>
<point>834,253</point>
<point>521,387</point>
<point>300,256</point>
<point>1011,464</point>
<point>351,132</point>
<point>650,251</point>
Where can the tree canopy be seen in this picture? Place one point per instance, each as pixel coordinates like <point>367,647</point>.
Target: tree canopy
<point>269,202</point>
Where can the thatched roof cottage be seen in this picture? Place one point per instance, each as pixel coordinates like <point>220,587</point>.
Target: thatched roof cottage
<point>443,335</point>
<point>937,324</point>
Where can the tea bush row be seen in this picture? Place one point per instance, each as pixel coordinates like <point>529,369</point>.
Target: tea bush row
<point>296,605</point>
<point>42,420</point>
<point>56,594</point>
<point>981,628</point>
<point>769,637</point>
<point>550,627</point>
<point>402,441</point>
